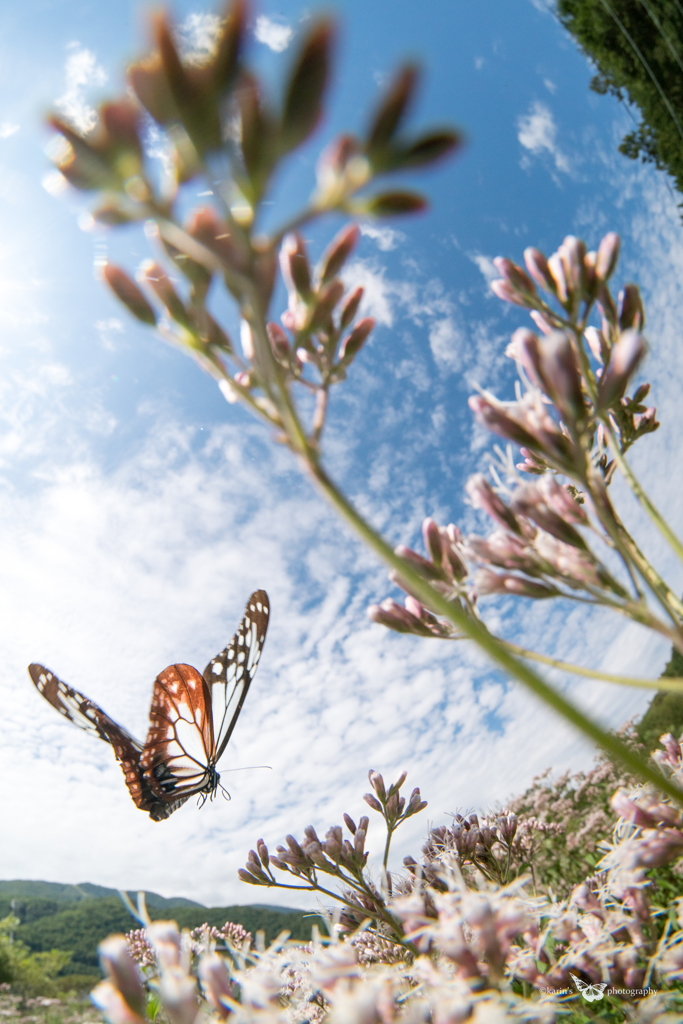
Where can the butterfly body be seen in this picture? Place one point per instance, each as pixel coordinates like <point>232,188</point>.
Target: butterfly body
<point>192,717</point>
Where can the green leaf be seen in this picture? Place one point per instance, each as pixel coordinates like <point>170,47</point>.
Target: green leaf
<point>307,83</point>
<point>388,204</point>
<point>430,147</point>
<point>392,109</point>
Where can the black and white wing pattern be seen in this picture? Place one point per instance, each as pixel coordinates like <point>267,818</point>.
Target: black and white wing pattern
<point>192,717</point>
<point>84,713</point>
<point>230,673</point>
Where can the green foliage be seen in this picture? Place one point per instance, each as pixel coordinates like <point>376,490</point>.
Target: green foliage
<point>638,50</point>
<point>29,973</point>
<point>665,713</point>
<point>81,926</point>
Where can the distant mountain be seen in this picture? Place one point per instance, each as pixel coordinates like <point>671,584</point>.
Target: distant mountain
<point>76,918</point>
<point>64,893</point>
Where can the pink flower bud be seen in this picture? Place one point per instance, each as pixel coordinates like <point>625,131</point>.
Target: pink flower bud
<point>373,802</point>
<point>431,536</point>
<point>537,265</point>
<point>247,340</point>
<point>558,369</point>
<point>625,357</point>
<point>494,417</point>
<point>216,983</point>
<point>572,253</point>
<point>107,998</point>
<point>483,496</point>
<point>377,783</point>
<point>414,607</point>
<point>596,343</point>
<point>164,938</point>
<point>556,268</point>
<point>515,276</point>
<point>394,616</point>
<point>607,256</point>
<point>327,300</point>
<point>123,971</point>
<point>337,253</point>
<point>504,290</point>
<point>278,340</point>
<point>207,227</point>
<point>350,308</point>
<point>294,265</point>
<point>425,568</point>
<point>631,312</point>
<point>487,582</point>
<point>154,275</point>
<point>352,345</point>
<point>543,325</point>
<point>178,993</point>
<point>129,294</point>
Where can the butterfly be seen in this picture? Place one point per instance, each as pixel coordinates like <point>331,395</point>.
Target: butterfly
<point>191,719</point>
<point>590,992</point>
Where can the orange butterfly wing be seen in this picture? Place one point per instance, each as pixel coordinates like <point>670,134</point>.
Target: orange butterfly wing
<point>179,753</point>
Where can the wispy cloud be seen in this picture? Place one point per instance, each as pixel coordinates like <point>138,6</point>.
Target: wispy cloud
<point>537,132</point>
<point>199,34</point>
<point>446,343</point>
<point>82,73</point>
<point>109,577</point>
<point>276,35</point>
<point>7,128</point>
<point>385,238</point>
<point>486,267</point>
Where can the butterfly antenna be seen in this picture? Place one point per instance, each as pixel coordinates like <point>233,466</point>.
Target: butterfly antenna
<point>247,768</point>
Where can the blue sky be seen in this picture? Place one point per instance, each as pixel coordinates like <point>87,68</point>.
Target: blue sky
<point>139,510</point>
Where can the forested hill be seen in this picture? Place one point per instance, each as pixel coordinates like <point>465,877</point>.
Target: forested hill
<point>78,921</point>
<point>60,892</point>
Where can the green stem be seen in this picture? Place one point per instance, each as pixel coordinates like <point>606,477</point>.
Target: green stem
<point>642,497</point>
<point>386,847</point>
<point>629,550</point>
<point>673,684</point>
<point>496,649</point>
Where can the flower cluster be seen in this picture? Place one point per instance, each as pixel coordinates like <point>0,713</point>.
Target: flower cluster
<point>453,939</point>
<point>573,422</point>
<point>204,937</point>
<point>216,122</point>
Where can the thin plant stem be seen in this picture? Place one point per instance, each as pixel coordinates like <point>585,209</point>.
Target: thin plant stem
<point>629,549</point>
<point>642,497</point>
<point>496,649</point>
<point>672,684</point>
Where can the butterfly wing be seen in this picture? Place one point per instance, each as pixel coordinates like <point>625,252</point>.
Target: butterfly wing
<point>84,713</point>
<point>230,673</point>
<point>177,759</point>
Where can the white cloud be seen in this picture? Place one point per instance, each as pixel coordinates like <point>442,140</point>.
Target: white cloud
<point>7,129</point>
<point>273,34</point>
<point>446,342</point>
<point>199,34</point>
<point>83,73</point>
<point>378,291</point>
<point>108,578</point>
<point>550,85</point>
<point>537,133</point>
<point>386,238</point>
<point>486,266</point>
